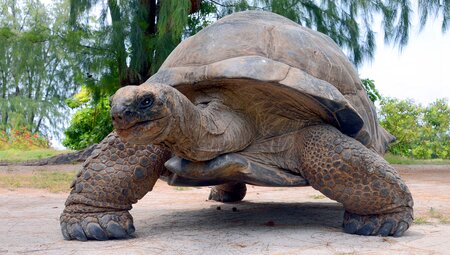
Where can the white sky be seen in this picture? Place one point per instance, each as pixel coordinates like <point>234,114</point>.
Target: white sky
<point>421,71</point>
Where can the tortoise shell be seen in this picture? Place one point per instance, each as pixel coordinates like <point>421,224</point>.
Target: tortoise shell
<point>280,74</point>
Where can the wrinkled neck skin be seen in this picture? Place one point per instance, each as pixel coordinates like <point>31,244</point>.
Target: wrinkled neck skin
<point>203,132</point>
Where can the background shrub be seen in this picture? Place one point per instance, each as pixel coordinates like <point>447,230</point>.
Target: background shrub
<point>422,132</point>
<point>22,139</point>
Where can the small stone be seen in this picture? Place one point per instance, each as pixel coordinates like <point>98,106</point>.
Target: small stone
<point>218,208</point>
<point>234,209</point>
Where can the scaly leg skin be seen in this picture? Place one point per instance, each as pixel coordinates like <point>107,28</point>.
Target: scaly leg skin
<point>114,177</point>
<point>376,200</point>
<point>228,192</point>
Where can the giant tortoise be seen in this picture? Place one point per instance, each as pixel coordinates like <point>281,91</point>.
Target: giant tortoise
<point>252,99</point>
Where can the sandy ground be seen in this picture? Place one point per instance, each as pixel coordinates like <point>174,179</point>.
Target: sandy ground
<point>269,221</point>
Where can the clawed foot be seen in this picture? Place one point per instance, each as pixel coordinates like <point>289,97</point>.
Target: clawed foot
<point>97,226</point>
<point>394,224</point>
<point>228,193</point>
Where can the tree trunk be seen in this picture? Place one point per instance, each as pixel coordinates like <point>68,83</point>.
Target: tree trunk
<point>151,16</point>
<point>119,38</point>
<point>195,6</point>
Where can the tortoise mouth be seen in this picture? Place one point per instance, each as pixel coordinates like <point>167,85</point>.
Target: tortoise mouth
<point>140,126</point>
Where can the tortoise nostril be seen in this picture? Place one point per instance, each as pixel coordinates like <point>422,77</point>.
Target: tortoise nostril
<point>113,118</point>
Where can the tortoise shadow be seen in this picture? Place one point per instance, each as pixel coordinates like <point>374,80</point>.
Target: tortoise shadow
<point>247,216</point>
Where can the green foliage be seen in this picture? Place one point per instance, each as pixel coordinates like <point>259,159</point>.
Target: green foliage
<point>400,118</point>
<point>90,123</point>
<point>372,92</point>
<point>79,99</point>
<point>201,19</point>
<point>422,132</point>
<point>435,131</point>
<point>35,69</point>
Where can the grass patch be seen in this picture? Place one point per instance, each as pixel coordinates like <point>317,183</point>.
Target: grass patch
<point>179,188</point>
<point>433,216</point>
<point>394,159</point>
<point>15,156</point>
<point>52,181</point>
<point>421,220</point>
<point>317,196</point>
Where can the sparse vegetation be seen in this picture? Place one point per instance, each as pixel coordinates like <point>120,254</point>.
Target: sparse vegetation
<point>178,188</point>
<point>15,155</point>
<point>421,220</point>
<point>317,196</point>
<point>433,216</point>
<point>53,181</point>
<point>396,159</point>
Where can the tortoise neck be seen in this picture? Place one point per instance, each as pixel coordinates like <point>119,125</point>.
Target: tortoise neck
<point>185,126</point>
<point>203,132</point>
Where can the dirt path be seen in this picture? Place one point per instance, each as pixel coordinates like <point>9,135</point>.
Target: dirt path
<point>269,221</point>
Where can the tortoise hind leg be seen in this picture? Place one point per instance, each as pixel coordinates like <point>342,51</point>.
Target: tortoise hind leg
<point>376,200</point>
<point>228,192</point>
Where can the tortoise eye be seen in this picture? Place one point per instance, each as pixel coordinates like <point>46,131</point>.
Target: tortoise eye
<point>146,102</point>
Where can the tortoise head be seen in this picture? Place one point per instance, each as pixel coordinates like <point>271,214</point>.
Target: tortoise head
<point>143,114</point>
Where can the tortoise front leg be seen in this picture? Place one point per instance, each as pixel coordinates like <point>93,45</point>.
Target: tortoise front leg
<point>114,177</point>
<point>376,200</point>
